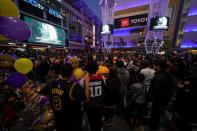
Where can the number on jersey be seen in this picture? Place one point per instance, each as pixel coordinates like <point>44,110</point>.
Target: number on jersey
<point>57,104</point>
<point>96,91</point>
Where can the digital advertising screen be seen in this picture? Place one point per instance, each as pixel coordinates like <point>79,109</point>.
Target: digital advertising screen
<point>159,23</point>
<point>107,29</point>
<point>45,33</point>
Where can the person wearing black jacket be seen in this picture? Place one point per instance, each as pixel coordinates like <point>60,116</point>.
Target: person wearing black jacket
<point>184,106</point>
<point>160,92</point>
<point>112,96</point>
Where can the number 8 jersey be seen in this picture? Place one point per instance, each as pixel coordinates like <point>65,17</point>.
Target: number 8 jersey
<point>97,89</point>
<point>65,99</point>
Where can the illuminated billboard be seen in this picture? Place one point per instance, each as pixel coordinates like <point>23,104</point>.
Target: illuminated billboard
<point>45,33</point>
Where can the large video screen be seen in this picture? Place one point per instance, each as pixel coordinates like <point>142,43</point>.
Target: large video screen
<point>159,23</point>
<point>45,33</point>
<point>107,29</point>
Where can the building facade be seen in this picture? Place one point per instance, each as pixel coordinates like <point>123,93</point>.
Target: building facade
<point>58,22</point>
<point>187,29</point>
<point>130,25</point>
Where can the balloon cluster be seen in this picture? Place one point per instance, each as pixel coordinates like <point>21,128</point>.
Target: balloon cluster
<point>22,66</point>
<point>11,27</point>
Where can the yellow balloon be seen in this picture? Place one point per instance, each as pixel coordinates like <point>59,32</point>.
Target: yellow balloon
<point>3,38</point>
<point>103,70</point>
<point>23,65</point>
<point>6,61</point>
<point>47,116</point>
<point>8,8</point>
<point>78,73</point>
<point>74,61</point>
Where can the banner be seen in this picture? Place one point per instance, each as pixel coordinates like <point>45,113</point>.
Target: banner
<point>131,21</point>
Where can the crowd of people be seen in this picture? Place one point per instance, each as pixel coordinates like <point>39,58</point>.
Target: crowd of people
<point>80,92</point>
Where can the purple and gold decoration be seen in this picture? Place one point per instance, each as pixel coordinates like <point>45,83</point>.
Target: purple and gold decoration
<point>16,80</point>
<point>14,28</point>
<point>23,65</point>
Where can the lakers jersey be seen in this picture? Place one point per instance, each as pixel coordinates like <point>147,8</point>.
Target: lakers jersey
<point>65,99</point>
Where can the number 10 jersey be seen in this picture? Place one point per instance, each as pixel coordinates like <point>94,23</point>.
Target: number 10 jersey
<point>97,89</point>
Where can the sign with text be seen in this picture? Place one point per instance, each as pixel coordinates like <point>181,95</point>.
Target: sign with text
<point>131,21</point>
<point>55,13</point>
<point>36,7</point>
<point>35,3</point>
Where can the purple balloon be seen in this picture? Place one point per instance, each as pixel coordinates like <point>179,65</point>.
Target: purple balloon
<point>13,23</point>
<point>73,78</point>
<point>14,29</point>
<point>16,80</point>
<point>15,34</point>
<point>43,100</point>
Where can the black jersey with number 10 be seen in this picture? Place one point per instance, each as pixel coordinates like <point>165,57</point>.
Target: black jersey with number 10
<point>97,89</point>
